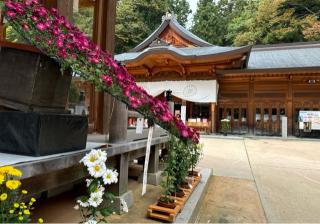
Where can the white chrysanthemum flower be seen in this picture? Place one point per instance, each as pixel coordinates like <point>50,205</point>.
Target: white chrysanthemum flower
<point>83,204</point>
<point>76,207</point>
<point>110,177</point>
<point>97,170</point>
<point>91,221</point>
<point>124,206</point>
<point>91,159</point>
<point>95,199</point>
<point>100,189</point>
<point>102,155</point>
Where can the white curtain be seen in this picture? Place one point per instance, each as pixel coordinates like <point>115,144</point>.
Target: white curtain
<point>200,91</point>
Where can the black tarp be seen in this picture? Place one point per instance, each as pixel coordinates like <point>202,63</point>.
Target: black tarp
<point>39,134</point>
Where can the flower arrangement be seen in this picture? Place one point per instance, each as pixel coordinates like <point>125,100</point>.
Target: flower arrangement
<point>12,208</point>
<point>57,38</point>
<point>97,205</point>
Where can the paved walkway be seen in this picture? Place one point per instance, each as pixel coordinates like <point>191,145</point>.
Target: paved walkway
<point>285,174</point>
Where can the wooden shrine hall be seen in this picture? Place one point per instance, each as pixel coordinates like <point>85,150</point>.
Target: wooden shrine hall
<point>252,86</point>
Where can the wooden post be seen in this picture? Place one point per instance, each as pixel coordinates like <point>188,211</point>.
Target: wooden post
<point>289,107</point>
<point>251,109</point>
<point>65,8</point>
<point>119,123</point>
<point>104,36</point>
<point>153,166</point>
<point>213,117</point>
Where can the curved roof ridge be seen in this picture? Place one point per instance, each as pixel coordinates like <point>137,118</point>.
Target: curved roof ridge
<point>174,24</point>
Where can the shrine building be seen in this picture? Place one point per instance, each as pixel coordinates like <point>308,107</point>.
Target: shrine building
<point>252,86</point>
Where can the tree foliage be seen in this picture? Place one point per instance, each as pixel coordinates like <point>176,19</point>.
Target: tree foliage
<point>181,8</point>
<point>243,22</point>
<point>211,19</point>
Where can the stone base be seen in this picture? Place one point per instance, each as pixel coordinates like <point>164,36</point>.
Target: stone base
<point>192,206</point>
<point>128,197</point>
<point>153,178</point>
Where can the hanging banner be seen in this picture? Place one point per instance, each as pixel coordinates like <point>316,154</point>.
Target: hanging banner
<point>309,120</point>
<point>146,161</point>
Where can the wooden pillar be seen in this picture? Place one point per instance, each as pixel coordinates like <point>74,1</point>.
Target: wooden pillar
<point>65,8</point>
<point>213,117</point>
<point>119,123</point>
<point>251,109</point>
<point>154,160</point>
<point>289,107</point>
<point>120,189</point>
<point>104,36</point>
<point>122,165</point>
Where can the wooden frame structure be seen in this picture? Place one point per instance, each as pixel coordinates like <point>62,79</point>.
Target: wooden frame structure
<point>103,35</point>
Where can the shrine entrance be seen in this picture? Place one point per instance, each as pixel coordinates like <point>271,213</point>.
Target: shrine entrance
<point>267,118</point>
<point>237,114</point>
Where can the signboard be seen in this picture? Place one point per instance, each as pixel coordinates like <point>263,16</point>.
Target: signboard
<point>146,161</point>
<point>309,120</point>
<point>183,113</point>
<point>139,128</point>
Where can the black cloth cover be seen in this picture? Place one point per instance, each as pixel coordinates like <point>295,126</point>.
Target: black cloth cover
<point>38,134</point>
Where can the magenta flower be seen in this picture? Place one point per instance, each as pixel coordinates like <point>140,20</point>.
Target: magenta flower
<point>11,14</point>
<point>41,26</point>
<point>34,18</point>
<point>59,43</point>
<point>107,80</point>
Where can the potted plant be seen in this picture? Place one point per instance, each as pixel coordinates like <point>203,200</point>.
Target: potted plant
<point>225,126</point>
<point>181,165</point>
<point>196,152</point>
<point>166,200</point>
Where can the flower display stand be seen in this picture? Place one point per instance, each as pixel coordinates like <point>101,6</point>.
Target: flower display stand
<point>167,214</point>
<point>31,81</point>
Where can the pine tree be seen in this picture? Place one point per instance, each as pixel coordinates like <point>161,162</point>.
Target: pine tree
<point>181,8</point>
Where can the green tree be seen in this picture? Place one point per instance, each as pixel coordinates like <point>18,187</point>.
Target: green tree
<point>181,8</point>
<point>302,8</point>
<point>206,22</point>
<point>261,23</point>
<point>136,19</point>
<point>84,20</point>
<point>212,19</point>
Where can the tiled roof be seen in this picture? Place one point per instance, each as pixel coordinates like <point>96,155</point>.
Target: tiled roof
<point>181,52</point>
<point>296,55</point>
<point>174,24</point>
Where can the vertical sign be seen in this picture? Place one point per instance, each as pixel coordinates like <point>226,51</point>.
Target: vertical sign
<point>139,128</point>
<point>284,124</point>
<point>184,113</point>
<point>146,161</point>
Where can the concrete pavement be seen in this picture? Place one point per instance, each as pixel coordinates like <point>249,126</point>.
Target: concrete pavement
<point>286,174</point>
